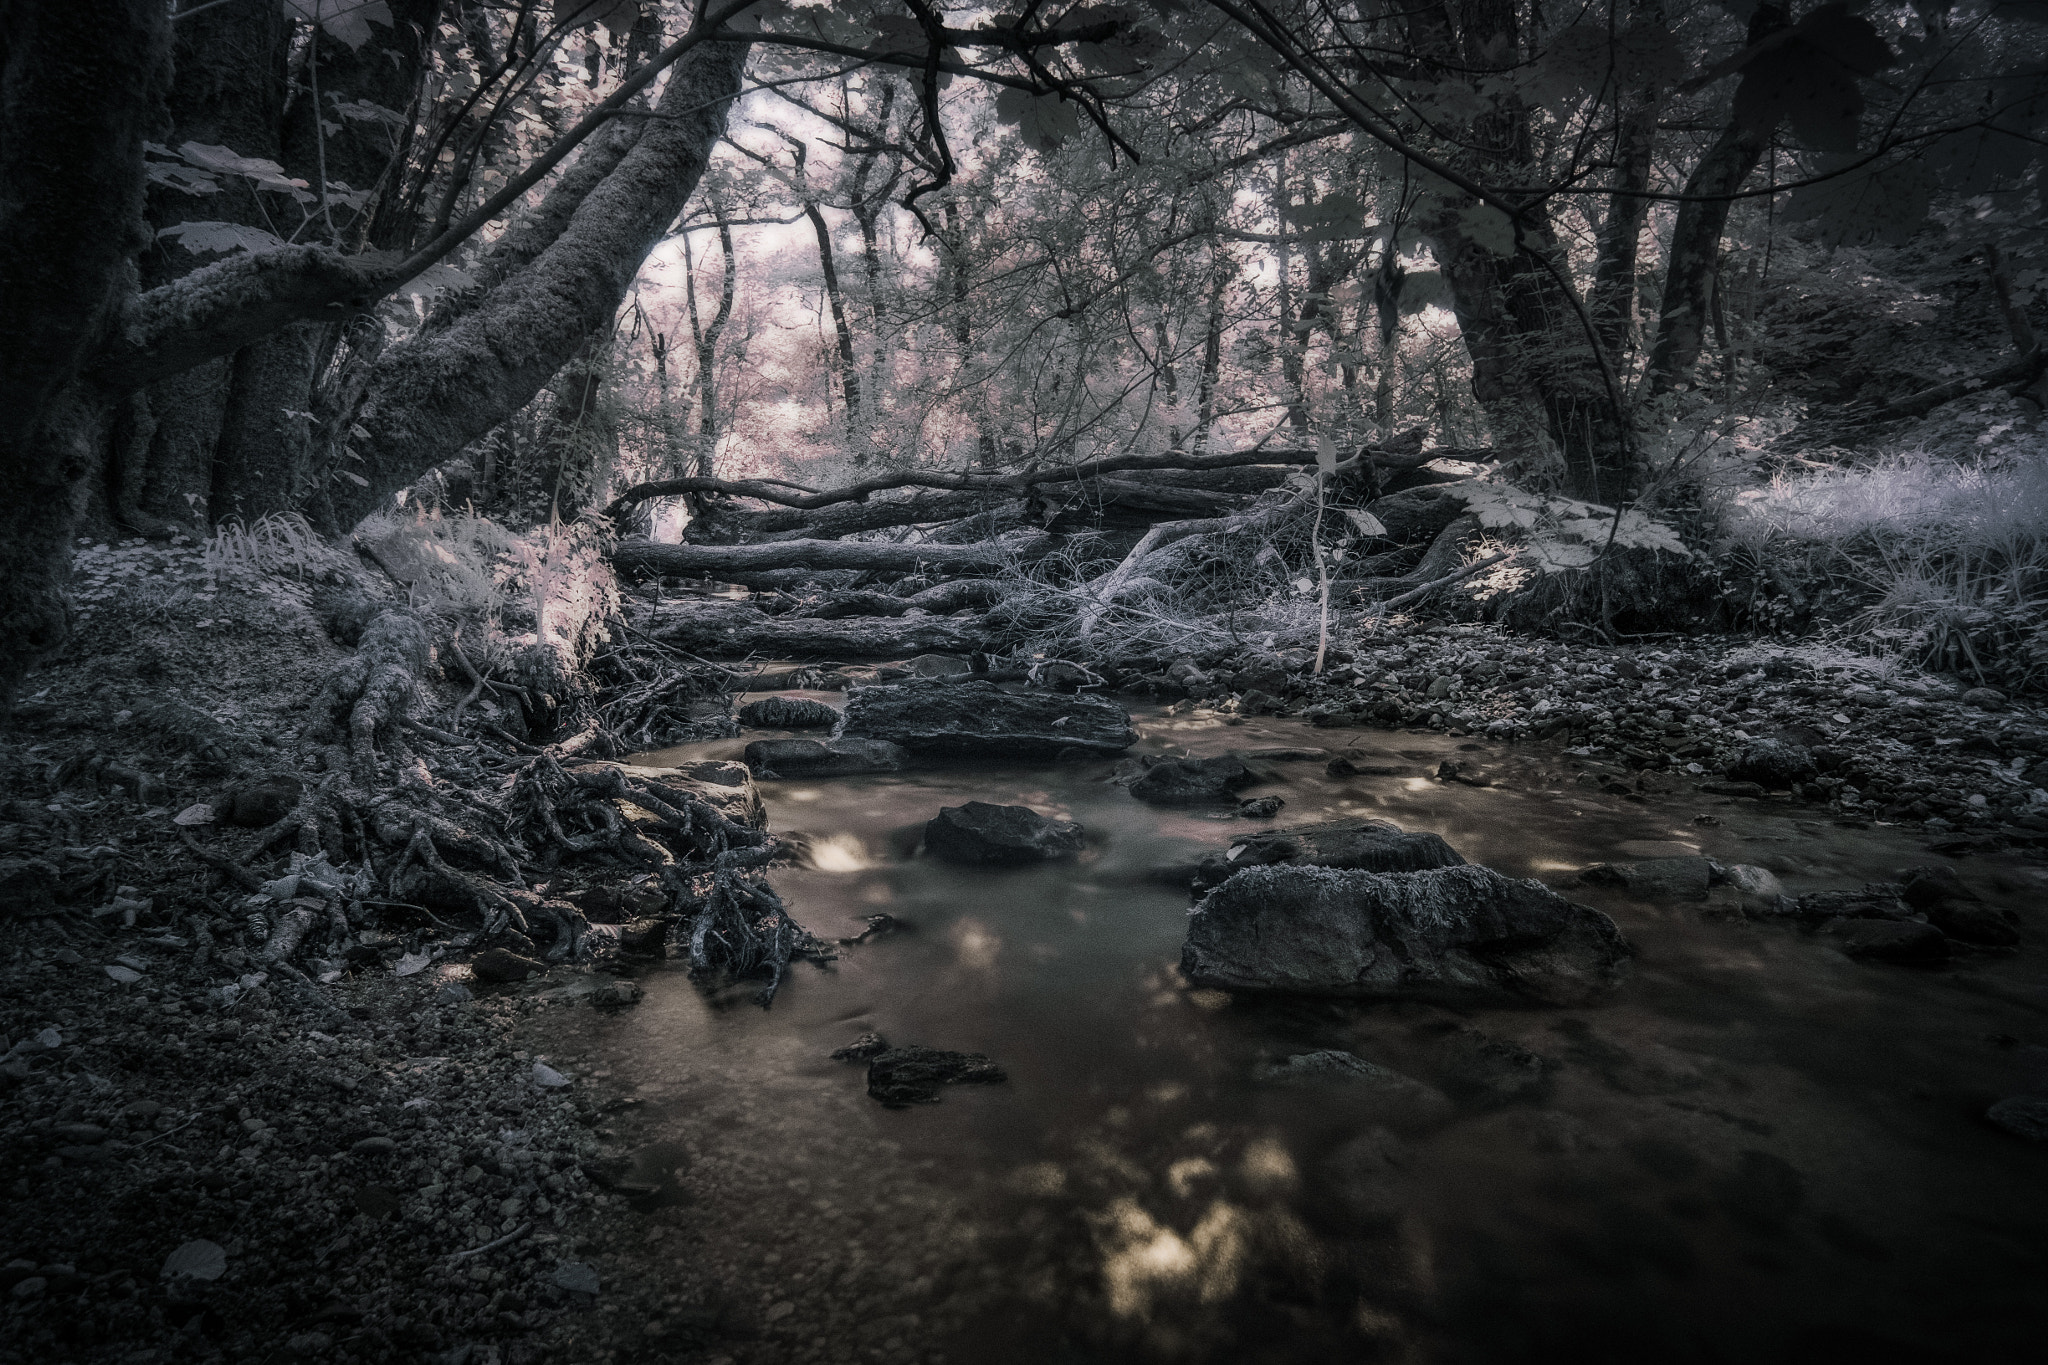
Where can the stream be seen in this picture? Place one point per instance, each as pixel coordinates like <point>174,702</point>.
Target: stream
<point>1758,1150</point>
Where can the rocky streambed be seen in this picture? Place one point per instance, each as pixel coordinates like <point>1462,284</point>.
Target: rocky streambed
<point>1584,1052</point>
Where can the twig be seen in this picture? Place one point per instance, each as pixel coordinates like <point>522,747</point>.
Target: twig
<point>248,880</point>
<point>167,1132</point>
<point>511,1236</point>
<point>1417,594</point>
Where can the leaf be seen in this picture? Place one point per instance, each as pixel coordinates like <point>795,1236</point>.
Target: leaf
<point>127,976</point>
<point>1326,456</point>
<point>199,238</point>
<point>184,179</point>
<point>412,964</point>
<point>1043,122</point>
<point>353,477</point>
<point>547,1077</point>
<point>1365,522</point>
<point>346,20</point>
<point>199,814</point>
<point>267,174</point>
<point>206,1261</point>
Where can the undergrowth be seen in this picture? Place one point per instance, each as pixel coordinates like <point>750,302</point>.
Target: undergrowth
<point>1945,561</point>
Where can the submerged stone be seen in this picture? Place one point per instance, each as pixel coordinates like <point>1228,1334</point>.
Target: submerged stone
<point>1656,878</point>
<point>1459,934</point>
<point>903,1076</point>
<point>842,757</point>
<point>979,832</point>
<point>1193,781</point>
<point>1359,845</point>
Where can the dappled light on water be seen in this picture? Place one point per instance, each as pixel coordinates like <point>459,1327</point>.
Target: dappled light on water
<point>1711,1156</point>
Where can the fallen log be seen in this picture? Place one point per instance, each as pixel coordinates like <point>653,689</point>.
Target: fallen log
<point>719,561</point>
<point>730,629</point>
<point>941,599</point>
<point>1015,484</point>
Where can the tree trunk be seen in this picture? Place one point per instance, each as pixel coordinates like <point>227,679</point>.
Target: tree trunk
<point>849,370</point>
<point>1611,302</point>
<point>1696,236</point>
<point>81,86</point>
<point>434,394</point>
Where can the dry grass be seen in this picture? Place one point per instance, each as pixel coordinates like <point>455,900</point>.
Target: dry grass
<point>1950,558</point>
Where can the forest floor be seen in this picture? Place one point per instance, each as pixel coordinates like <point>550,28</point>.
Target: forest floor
<point>204,1160</point>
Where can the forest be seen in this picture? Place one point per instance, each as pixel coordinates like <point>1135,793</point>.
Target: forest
<point>568,565</point>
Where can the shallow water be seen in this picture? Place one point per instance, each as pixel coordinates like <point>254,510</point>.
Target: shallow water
<point>1758,1150</point>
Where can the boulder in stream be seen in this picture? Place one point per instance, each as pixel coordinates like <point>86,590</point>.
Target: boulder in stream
<point>1907,943</point>
<point>1358,845</point>
<point>1656,879</point>
<point>788,713</point>
<point>844,757</point>
<point>1774,764</point>
<point>1193,781</point>
<point>979,832</point>
<point>981,720</point>
<point>902,1076</point>
<point>1455,934</point>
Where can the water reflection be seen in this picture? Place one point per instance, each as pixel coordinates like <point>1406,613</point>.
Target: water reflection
<point>1760,1151</point>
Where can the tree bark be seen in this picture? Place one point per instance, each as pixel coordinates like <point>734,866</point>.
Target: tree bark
<point>734,629</point>
<point>849,371</point>
<point>872,556</point>
<point>81,86</point>
<point>1696,236</point>
<point>434,394</point>
<point>1611,301</point>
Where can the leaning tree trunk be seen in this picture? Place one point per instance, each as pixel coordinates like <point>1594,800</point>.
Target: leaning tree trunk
<point>81,85</point>
<point>1696,236</point>
<point>432,395</point>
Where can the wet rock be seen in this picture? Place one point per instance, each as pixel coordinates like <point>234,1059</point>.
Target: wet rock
<point>1457,934</point>
<point>788,713</point>
<point>1656,878</point>
<point>903,1076</point>
<point>644,937</point>
<point>1260,808</point>
<point>1875,901</point>
<point>2022,1115</point>
<point>1985,699</point>
<point>843,757</point>
<point>1774,764</point>
<point>1193,781</point>
<point>1404,1102</point>
<point>1976,923</point>
<point>1488,1072</point>
<point>501,965</point>
<point>616,994</point>
<point>1356,845</point>
<point>1732,788</point>
<point>265,801</point>
<point>1932,885</point>
<point>1750,885</point>
<point>979,719</point>
<point>979,832</point>
<point>861,1049</point>
<point>1907,943</point>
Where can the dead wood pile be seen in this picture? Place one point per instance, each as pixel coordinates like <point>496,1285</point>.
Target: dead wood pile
<point>928,561</point>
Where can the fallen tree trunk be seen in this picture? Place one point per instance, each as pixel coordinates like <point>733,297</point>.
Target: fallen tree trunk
<point>729,629</point>
<point>1015,485</point>
<point>872,556</point>
<point>940,599</point>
